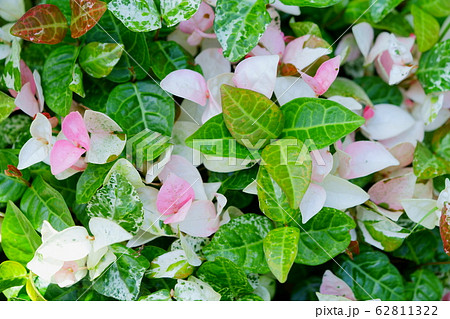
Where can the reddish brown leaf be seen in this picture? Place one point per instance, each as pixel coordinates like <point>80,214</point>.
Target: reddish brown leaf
<point>352,249</point>
<point>445,229</point>
<point>85,15</point>
<point>44,23</point>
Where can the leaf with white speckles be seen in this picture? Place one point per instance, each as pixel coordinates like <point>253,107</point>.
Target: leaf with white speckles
<point>434,68</point>
<point>175,11</point>
<point>118,201</point>
<point>239,24</point>
<point>77,81</point>
<point>11,74</point>
<point>136,15</point>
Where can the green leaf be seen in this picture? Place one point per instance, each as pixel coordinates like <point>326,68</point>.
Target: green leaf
<point>19,239</point>
<point>380,231</point>
<point>118,201</point>
<point>175,11</point>
<point>42,202</point>
<point>225,277</point>
<point>91,180</point>
<point>324,236</point>
<point>98,59</point>
<point>239,24</point>
<point>311,3</point>
<point>122,280</point>
<point>76,85</point>
<point>11,73</point>
<point>12,274</point>
<point>289,164</point>
<point>272,200</point>
<point>251,118</point>
<point>214,138</point>
<point>348,88</point>
<point>380,8</point>
<point>236,180</point>
<point>97,93</point>
<point>168,56</point>
<point>419,247</point>
<point>379,91</point>
<point>433,71</point>
<point>136,15</point>
<point>280,249</point>
<point>440,142</point>
<point>424,286</point>
<point>305,27</point>
<point>56,78</point>
<point>6,106</point>
<point>135,63</point>
<point>438,8</point>
<point>321,120</point>
<point>11,188</point>
<point>140,106</point>
<point>241,241</point>
<point>173,264</point>
<point>249,297</point>
<point>370,275</point>
<point>426,29</point>
<point>160,295</point>
<point>427,165</point>
<point>15,132</point>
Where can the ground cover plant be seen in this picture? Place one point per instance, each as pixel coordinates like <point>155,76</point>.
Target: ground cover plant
<point>224,150</point>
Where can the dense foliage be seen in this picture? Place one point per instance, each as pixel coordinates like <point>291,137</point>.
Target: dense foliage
<point>224,150</point>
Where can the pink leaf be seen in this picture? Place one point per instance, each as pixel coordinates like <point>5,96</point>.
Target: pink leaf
<point>63,155</point>
<point>26,101</point>
<point>26,76</point>
<point>212,63</point>
<point>333,285</point>
<point>187,84</point>
<point>325,76</point>
<point>203,19</point>
<point>321,165</point>
<point>271,43</point>
<point>391,191</point>
<point>180,215</point>
<point>258,74</point>
<point>174,193</point>
<point>75,130</point>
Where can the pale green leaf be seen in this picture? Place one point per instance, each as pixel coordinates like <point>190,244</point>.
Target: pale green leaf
<point>12,274</point>
<point>428,165</point>
<point>280,249</point>
<point>98,59</point>
<point>6,106</point>
<point>289,164</point>
<point>302,28</point>
<point>76,85</point>
<point>426,29</point>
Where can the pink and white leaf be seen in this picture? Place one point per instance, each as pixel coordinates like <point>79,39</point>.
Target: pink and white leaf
<point>26,101</point>
<point>333,285</point>
<point>212,63</point>
<point>312,202</point>
<point>322,164</point>
<point>391,191</point>
<point>187,84</point>
<point>75,130</point>
<point>63,155</point>
<point>201,220</point>
<point>422,211</point>
<point>364,35</point>
<point>288,88</point>
<point>341,194</point>
<point>325,76</point>
<point>173,195</point>
<point>271,43</point>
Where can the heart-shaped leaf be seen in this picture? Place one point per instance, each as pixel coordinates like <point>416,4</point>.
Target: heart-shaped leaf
<point>239,239</point>
<point>225,277</point>
<point>137,15</point>
<point>91,180</point>
<point>373,268</point>
<point>280,249</point>
<point>272,200</point>
<point>239,24</point>
<point>324,236</point>
<point>43,23</point>
<point>140,106</point>
<point>42,202</point>
<point>252,119</point>
<point>85,15</point>
<point>322,121</point>
<point>19,239</point>
<point>289,164</point>
<point>98,59</point>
